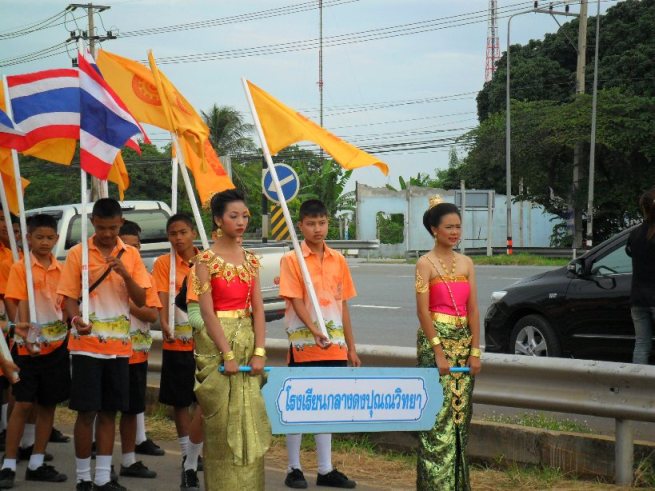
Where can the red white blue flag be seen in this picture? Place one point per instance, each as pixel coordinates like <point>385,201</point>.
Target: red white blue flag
<point>11,136</point>
<point>106,125</point>
<point>46,104</point>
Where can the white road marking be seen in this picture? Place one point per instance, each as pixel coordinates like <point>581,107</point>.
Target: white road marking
<point>376,307</point>
<point>271,186</point>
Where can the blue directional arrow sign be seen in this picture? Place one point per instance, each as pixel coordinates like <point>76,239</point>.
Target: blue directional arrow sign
<point>288,180</point>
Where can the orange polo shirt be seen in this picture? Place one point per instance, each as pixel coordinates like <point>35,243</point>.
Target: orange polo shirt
<point>47,302</point>
<point>333,284</point>
<point>140,330</point>
<point>161,277</point>
<point>108,304</point>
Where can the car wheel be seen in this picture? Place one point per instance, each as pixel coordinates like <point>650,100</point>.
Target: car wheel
<point>533,336</point>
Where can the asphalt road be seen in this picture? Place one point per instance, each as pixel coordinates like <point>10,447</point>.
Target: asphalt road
<point>384,311</point>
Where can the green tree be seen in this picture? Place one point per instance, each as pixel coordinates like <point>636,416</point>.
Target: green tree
<point>228,132</point>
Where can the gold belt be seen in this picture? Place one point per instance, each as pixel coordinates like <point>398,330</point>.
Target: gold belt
<point>233,314</point>
<point>448,319</point>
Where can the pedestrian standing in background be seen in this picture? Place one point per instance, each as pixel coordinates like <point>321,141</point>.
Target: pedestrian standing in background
<point>449,336</point>
<point>641,248</point>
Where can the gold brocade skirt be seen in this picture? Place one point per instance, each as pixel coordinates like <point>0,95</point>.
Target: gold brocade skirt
<point>236,428</point>
<point>441,463</point>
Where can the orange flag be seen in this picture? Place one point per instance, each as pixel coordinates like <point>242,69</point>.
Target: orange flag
<point>210,177</point>
<point>284,126</point>
<point>7,169</point>
<point>119,176</point>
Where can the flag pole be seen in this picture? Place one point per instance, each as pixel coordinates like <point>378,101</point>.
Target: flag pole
<point>23,221</point>
<point>84,232</point>
<point>285,211</point>
<point>173,263</point>
<point>3,193</point>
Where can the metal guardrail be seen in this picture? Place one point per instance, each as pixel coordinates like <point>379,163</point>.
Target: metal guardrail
<point>353,244</point>
<point>624,392</point>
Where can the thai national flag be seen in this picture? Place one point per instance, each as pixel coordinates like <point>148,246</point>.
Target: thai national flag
<point>46,104</point>
<point>106,124</point>
<point>11,136</point>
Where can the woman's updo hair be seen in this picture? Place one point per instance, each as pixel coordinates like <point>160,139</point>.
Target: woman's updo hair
<point>220,200</point>
<point>437,210</point>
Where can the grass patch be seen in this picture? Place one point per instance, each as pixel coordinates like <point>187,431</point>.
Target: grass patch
<point>540,420</point>
<point>519,260</point>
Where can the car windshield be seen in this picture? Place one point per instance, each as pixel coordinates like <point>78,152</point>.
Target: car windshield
<point>616,262</point>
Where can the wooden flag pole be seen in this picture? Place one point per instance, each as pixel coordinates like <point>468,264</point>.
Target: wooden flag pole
<point>285,211</point>
<point>173,263</point>
<point>23,222</point>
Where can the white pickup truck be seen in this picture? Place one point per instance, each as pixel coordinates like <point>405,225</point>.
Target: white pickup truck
<point>151,217</point>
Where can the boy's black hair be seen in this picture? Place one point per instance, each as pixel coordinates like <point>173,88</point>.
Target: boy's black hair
<point>14,218</point>
<point>312,208</point>
<point>180,217</point>
<point>41,220</point>
<point>106,208</point>
<point>130,228</point>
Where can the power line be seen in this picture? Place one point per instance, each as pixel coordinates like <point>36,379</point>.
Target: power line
<point>36,26</point>
<point>234,19</point>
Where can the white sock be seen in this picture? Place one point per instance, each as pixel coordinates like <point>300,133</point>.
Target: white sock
<point>36,461</point>
<point>28,436</point>
<point>3,419</point>
<point>83,469</point>
<point>140,428</point>
<point>193,452</point>
<point>184,444</point>
<point>9,464</point>
<point>293,451</point>
<point>324,452</point>
<point>129,459</point>
<point>103,469</point>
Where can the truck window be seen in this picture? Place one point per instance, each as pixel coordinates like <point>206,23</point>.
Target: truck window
<point>152,223</point>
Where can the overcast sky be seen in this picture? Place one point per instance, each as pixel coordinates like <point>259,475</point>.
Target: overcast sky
<point>393,72</point>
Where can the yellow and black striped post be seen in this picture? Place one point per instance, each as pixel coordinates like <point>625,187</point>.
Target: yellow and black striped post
<point>279,229</point>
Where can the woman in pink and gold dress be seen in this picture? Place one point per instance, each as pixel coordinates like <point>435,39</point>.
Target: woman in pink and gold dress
<point>449,336</point>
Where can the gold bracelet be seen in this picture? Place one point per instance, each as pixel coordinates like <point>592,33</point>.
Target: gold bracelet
<point>259,352</point>
<point>475,352</point>
<point>435,341</point>
<point>229,356</point>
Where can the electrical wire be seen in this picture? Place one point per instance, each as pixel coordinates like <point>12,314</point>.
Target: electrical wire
<point>28,29</point>
<point>234,19</point>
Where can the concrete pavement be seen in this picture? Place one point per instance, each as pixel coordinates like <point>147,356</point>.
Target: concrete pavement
<point>167,468</point>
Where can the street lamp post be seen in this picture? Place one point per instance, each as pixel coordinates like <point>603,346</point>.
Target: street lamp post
<point>592,142</point>
<point>508,127</point>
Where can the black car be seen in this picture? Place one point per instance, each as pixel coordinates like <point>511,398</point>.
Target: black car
<point>580,310</point>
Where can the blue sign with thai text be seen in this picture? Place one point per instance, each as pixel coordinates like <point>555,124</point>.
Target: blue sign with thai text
<point>351,400</point>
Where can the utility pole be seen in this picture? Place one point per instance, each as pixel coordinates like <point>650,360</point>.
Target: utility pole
<point>320,66</point>
<point>592,141</point>
<point>98,188</point>
<point>576,211</point>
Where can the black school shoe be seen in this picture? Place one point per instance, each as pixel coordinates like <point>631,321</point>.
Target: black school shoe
<point>190,481</point>
<point>84,486</point>
<point>148,447</point>
<point>110,486</point>
<point>296,479</point>
<point>45,473</point>
<point>57,436</point>
<point>335,479</point>
<point>7,477</point>
<point>138,469</point>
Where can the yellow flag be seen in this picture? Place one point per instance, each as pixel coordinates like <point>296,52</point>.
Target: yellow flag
<point>209,177</point>
<point>119,176</point>
<point>284,126</point>
<point>7,169</point>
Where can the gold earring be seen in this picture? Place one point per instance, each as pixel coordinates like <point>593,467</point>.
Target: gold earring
<point>219,232</point>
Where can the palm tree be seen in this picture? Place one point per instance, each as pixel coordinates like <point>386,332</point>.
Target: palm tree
<point>228,133</point>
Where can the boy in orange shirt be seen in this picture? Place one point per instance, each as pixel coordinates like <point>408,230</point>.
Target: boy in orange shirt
<point>101,348</point>
<point>44,374</point>
<point>308,347</point>
<point>140,320</point>
<point>178,364</point>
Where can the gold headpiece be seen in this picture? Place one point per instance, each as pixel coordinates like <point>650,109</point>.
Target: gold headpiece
<point>435,200</point>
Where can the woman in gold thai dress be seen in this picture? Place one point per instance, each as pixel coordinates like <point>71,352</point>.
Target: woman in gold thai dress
<point>226,310</point>
<point>449,336</point>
